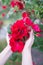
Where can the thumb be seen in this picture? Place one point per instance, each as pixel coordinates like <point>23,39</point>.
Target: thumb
<point>7,38</point>
<point>30,40</point>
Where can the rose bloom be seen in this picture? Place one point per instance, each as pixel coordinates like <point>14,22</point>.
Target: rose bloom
<point>18,4</point>
<point>36,28</point>
<point>12,3</point>
<point>3,14</point>
<point>38,35</point>
<point>4,7</point>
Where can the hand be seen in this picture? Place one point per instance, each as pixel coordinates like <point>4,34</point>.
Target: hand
<point>26,54</point>
<point>6,53</point>
<point>7,39</point>
<point>30,41</point>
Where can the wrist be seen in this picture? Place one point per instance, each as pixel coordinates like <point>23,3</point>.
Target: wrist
<point>26,50</point>
<point>26,57</point>
<point>5,54</point>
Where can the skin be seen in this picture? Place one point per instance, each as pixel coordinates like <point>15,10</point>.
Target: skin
<point>26,53</point>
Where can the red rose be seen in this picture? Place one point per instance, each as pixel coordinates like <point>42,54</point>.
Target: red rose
<point>38,35</point>
<point>36,28</point>
<point>17,46</point>
<point>24,14</point>
<point>3,14</point>
<point>20,5</point>
<point>12,3</point>
<point>21,46</point>
<point>4,7</point>
<point>28,21</point>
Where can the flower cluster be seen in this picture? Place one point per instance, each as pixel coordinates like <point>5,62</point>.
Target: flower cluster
<point>29,22</point>
<point>20,32</point>
<point>18,4</point>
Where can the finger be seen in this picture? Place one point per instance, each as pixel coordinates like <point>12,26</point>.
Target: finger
<point>31,33</point>
<point>7,38</point>
<point>30,40</point>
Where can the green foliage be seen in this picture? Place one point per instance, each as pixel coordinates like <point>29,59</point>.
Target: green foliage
<point>16,57</point>
<point>36,5</point>
<point>9,31</point>
<point>5,2</point>
<point>38,43</point>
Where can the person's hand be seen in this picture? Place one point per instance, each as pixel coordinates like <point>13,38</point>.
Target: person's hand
<point>26,53</point>
<point>6,53</point>
<point>30,41</point>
